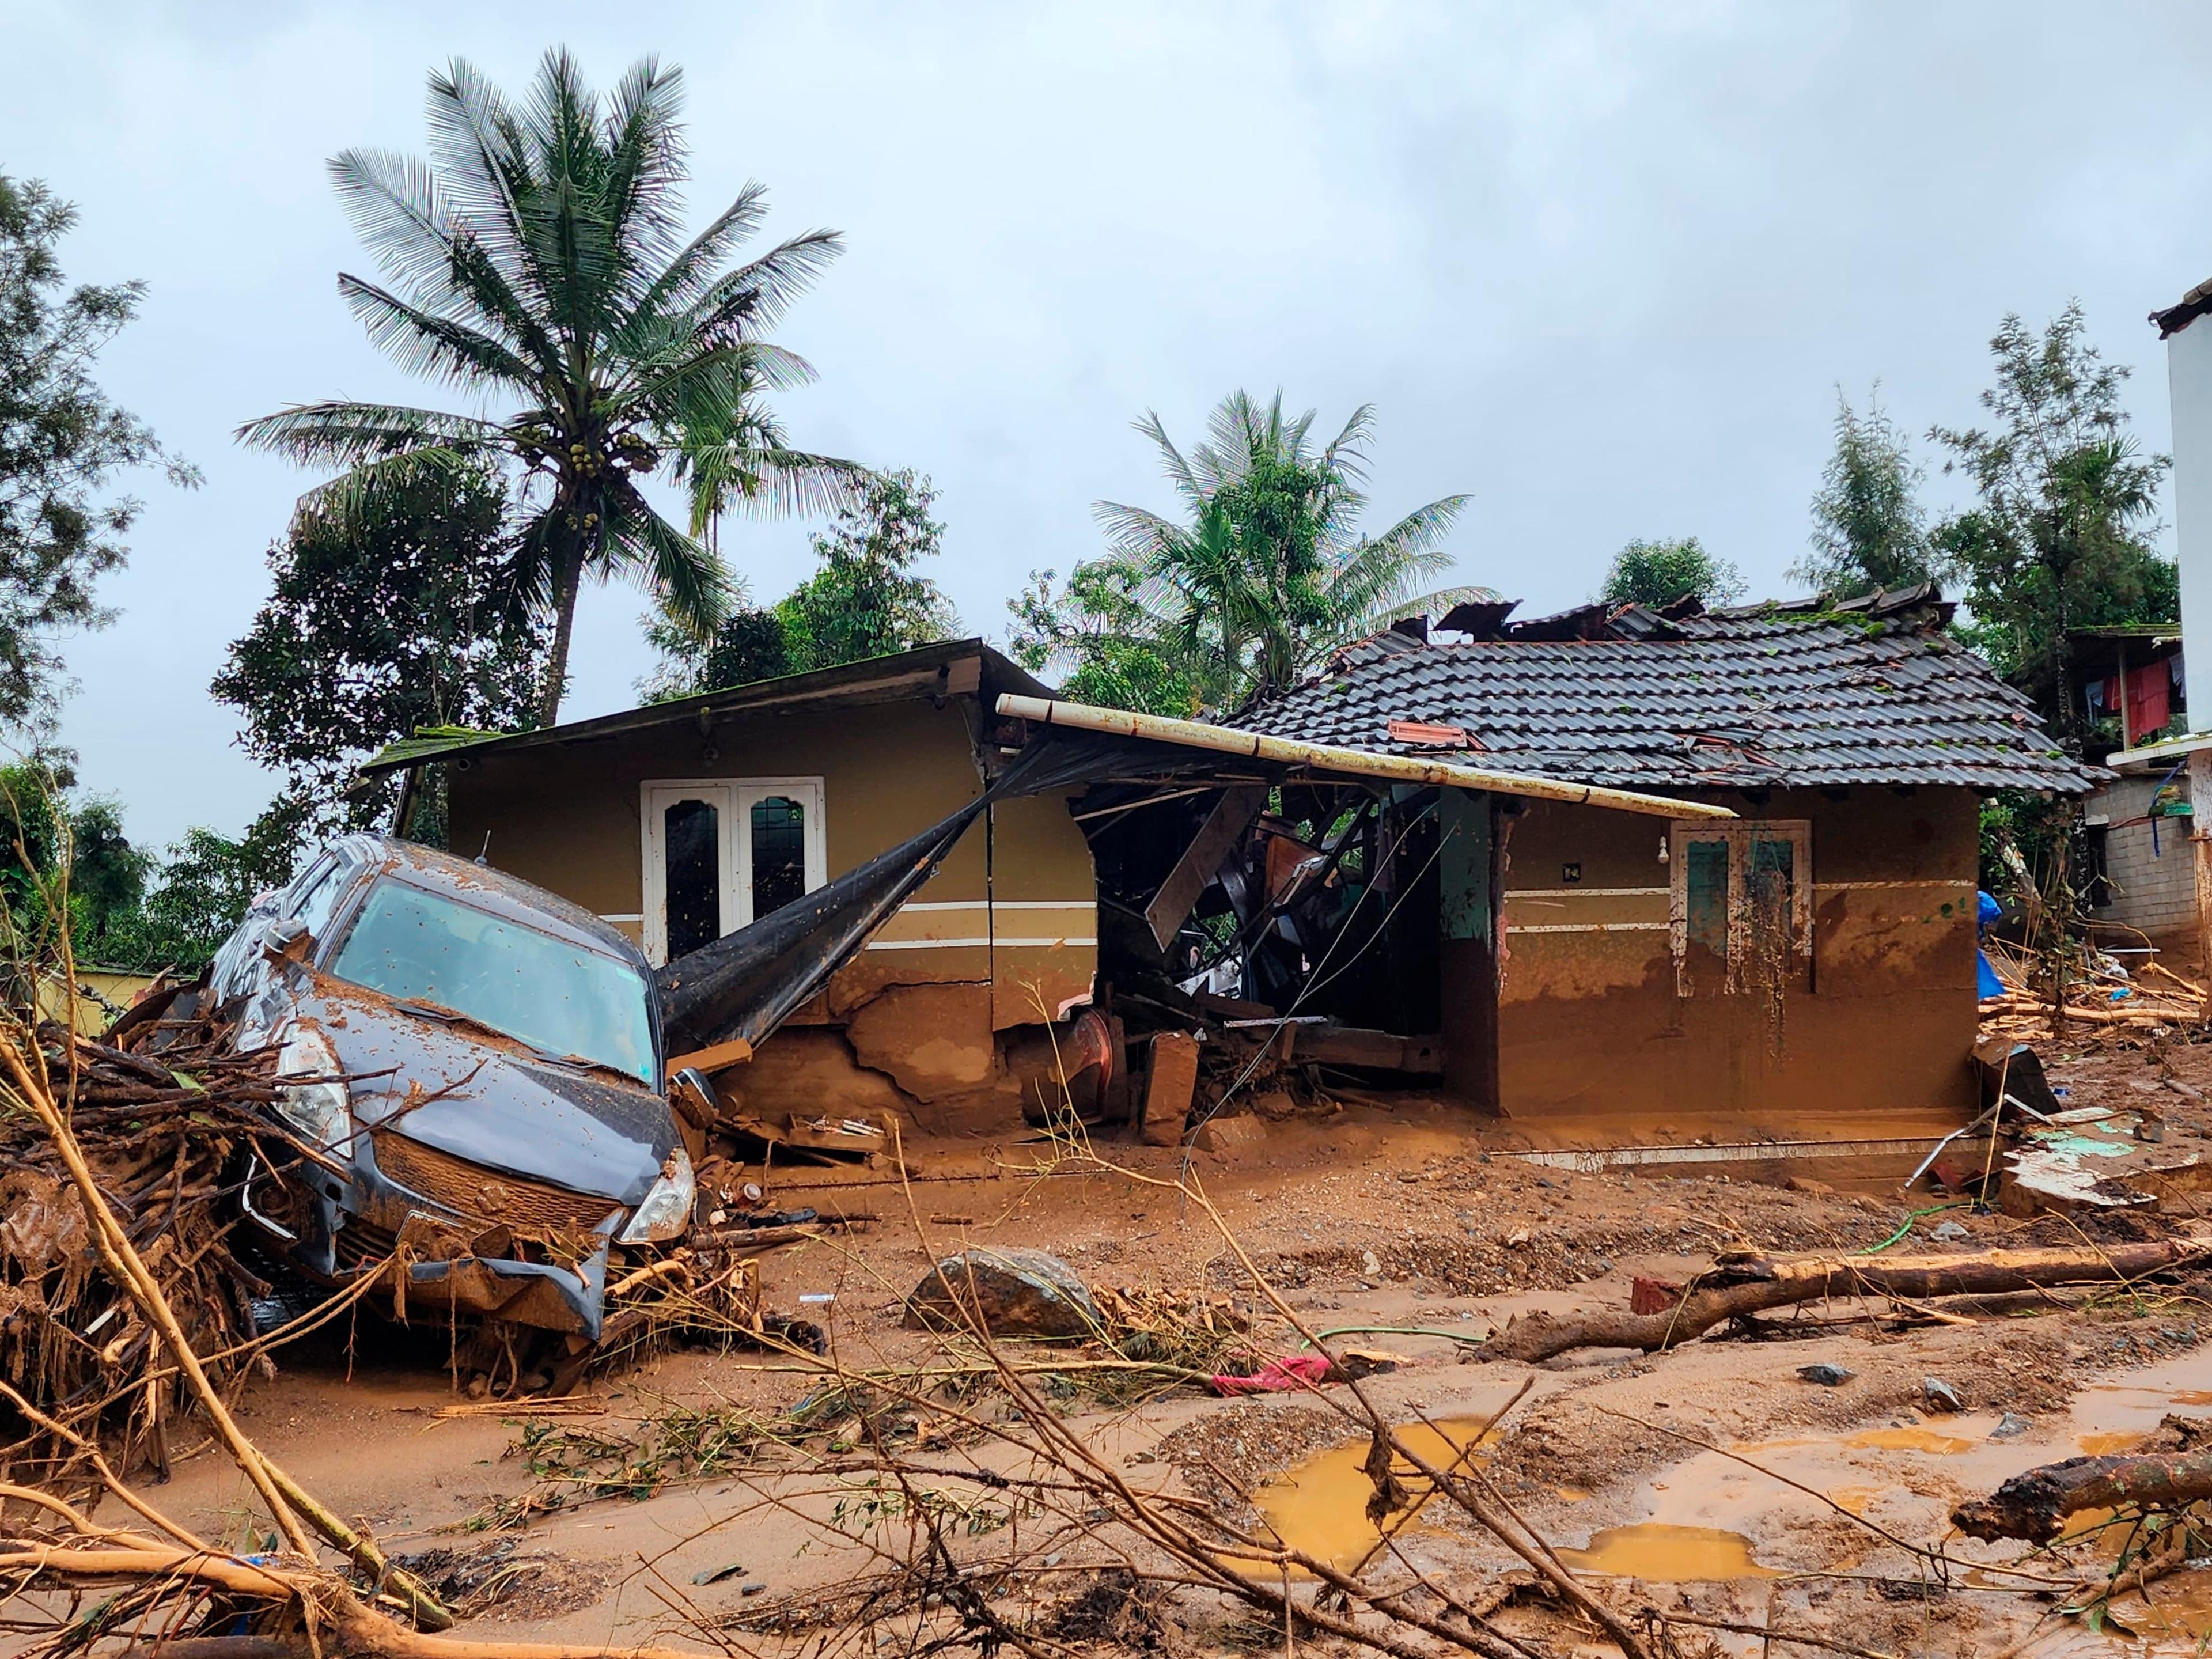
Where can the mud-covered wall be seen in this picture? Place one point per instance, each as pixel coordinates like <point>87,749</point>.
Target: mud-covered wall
<point>1590,1018</point>
<point>1008,921</point>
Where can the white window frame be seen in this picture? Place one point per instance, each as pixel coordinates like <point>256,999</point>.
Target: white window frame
<point>1738,836</point>
<point>732,800</point>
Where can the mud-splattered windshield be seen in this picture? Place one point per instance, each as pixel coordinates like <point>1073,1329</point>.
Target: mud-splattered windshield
<point>415,946</point>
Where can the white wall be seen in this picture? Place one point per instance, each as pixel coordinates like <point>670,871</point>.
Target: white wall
<point>2189,370</point>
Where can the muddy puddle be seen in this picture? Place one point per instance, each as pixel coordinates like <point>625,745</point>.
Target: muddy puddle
<point>1320,1506</point>
<point>1663,1554</point>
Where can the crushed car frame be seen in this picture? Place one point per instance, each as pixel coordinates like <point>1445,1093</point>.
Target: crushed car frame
<point>473,1067</point>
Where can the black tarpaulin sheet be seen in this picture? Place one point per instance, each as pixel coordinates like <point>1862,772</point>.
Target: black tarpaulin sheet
<point>746,983</point>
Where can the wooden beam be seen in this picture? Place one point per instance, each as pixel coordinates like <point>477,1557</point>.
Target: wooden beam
<point>1231,815</point>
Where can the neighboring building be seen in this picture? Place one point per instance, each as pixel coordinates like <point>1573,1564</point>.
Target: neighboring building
<point>2140,890</point>
<point>2150,850</point>
<point>1816,957</point>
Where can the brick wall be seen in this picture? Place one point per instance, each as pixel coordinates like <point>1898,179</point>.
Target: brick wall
<point>2154,894</point>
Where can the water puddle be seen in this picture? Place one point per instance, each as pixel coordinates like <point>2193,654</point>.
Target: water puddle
<point>1661,1555</point>
<point>2178,1608</point>
<point>2106,1445</point>
<point>1320,1506</point>
<point>1912,1439</point>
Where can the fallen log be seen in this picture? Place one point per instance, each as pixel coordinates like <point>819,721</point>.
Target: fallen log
<point>2034,1505</point>
<point>345,1628</point>
<point>1734,1289</point>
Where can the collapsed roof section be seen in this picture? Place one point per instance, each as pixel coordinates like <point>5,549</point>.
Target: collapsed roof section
<point>1792,694</point>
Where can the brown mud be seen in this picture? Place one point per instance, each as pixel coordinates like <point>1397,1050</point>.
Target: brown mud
<point>1674,1471</point>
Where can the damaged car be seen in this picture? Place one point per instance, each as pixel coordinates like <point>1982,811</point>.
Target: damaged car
<point>470,1071</point>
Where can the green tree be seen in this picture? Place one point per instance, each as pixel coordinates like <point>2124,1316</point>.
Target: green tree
<point>2059,538</point>
<point>1662,572</point>
<point>1267,572</point>
<point>1106,647</point>
<point>865,599</point>
<point>198,892</point>
<point>399,616</point>
<point>1869,530</point>
<point>62,441</point>
<point>538,263</point>
<point>63,856</point>
<point>748,645</point>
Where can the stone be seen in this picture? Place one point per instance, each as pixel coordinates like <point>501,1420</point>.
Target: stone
<point>1168,1092</point>
<point>1827,1376</point>
<point>1229,1134</point>
<point>1948,1230</point>
<point>1941,1396</point>
<point>1018,1292</point>
<point>2010,1426</point>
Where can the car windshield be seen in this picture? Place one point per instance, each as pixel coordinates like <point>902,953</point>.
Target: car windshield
<point>564,998</point>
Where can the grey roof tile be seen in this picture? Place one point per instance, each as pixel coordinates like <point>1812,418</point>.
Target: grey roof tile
<point>1731,701</point>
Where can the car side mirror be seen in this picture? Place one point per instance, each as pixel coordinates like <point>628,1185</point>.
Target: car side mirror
<point>285,939</point>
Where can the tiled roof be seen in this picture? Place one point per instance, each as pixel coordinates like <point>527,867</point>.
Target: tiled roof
<point>1770,699</point>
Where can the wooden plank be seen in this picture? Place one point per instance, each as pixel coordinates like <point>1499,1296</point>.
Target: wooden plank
<point>735,1052</point>
<point>1167,1095</point>
<point>1349,1045</point>
<point>1231,815</point>
<point>1354,1045</point>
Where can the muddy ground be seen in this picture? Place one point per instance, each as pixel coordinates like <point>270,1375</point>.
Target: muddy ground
<point>1416,1217</point>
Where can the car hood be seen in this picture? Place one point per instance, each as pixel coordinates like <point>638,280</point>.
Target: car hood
<point>491,1100</point>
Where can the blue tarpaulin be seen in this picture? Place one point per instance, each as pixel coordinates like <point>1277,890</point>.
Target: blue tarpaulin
<point>1986,982</point>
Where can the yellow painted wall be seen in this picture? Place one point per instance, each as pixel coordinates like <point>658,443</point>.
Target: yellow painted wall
<point>567,817</point>
<point>1589,1019</point>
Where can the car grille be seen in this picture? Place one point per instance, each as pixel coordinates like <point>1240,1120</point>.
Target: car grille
<point>485,1194</point>
<point>362,1245</point>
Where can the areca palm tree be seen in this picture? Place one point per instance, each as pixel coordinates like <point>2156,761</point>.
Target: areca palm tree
<point>538,262</point>
<point>1269,573</point>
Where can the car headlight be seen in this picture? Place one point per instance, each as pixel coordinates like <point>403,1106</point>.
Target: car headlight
<point>666,1210</point>
<point>320,1110</point>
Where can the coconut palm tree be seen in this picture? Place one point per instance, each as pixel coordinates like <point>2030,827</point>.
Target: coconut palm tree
<point>1270,573</point>
<point>538,262</point>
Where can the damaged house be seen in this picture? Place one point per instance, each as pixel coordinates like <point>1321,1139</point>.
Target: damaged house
<point>1582,863</point>
<point>1815,957</point>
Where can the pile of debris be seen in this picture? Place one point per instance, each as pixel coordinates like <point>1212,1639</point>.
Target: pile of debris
<point>2085,991</point>
<point>164,1134</point>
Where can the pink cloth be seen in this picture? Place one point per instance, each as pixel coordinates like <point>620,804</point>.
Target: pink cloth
<point>1298,1370</point>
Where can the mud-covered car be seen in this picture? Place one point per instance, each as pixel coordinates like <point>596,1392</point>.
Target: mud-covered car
<point>478,1064</point>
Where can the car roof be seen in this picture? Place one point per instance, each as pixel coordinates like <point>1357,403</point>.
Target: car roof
<point>505,895</point>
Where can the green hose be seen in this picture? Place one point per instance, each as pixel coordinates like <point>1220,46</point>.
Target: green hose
<point>1395,1330</point>
<point>1876,1249</point>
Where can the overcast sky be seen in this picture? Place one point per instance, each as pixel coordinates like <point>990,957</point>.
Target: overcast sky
<point>1599,267</point>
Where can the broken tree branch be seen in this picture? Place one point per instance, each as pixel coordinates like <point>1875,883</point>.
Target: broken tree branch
<point>284,1499</point>
<point>2034,1505</point>
<point>1734,1290</point>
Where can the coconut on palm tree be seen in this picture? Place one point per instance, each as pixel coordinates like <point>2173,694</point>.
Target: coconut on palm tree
<point>538,262</point>
<point>1270,571</point>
